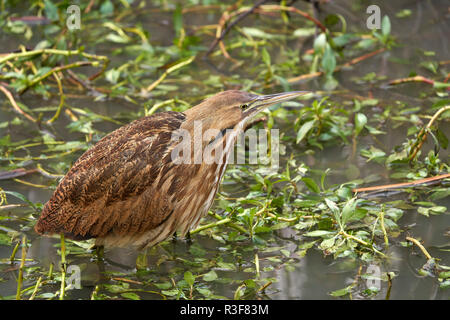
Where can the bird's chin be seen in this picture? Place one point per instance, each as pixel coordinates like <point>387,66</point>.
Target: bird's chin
<point>249,115</point>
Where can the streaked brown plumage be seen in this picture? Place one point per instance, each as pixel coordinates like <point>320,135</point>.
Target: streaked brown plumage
<point>127,191</point>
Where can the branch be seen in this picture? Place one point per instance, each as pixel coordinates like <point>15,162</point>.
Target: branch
<point>422,136</point>
<point>14,104</point>
<point>231,25</point>
<point>417,243</point>
<point>404,184</point>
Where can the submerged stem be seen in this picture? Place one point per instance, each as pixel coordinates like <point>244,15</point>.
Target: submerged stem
<point>63,268</point>
<point>22,264</point>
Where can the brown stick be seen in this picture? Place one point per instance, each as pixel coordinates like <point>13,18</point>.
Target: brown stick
<point>361,58</point>
<point>422,136</point>
<point>421,247</point>
<point>404,184</point>
<point>411,79</point>
<point>4,175</point>
<point>231,25</point>
<point>243,13</point>
<point>338,68</point>
<point>14,104</point>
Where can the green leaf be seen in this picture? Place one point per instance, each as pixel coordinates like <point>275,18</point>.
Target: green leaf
<point>163,285</point>
<point>386,26</point>
<point>424,211</point>
<point>334,209</point>
<point>178,19</point>
<point>349,210</point>
<point>441,85</point>
<point>265,57</point>
<point>170,293</point>
<point>210,276</point>
<point>327,243</point>
<point>311,184</point>
<point>304,129</point>
<point>130,295</point>
<point>204,292</point>
<point>372,153</point>
<point>328,60</point>
<point>181,63</point>
<point>189,278</point>
<point>403,13</point>
<point>320,233</point>
<point>443,140</point>
<point>360,122</point>
<point>320,43</point>
<point>332,205</point>
<point>107,8</point>
<point>342,292</point>
<point>5,239</point>
<point>51,11</point>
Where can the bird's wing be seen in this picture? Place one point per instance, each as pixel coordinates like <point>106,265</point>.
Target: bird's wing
<point>106,187</point>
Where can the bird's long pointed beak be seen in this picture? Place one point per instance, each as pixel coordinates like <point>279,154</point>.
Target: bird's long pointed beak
<point>264,101</point>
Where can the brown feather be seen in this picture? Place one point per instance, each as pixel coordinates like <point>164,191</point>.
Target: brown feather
<point>99,194</point>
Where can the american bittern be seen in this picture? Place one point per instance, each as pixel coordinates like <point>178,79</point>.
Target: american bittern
<point>127,191</point>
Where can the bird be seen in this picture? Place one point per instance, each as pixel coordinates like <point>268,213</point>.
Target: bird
<point>128,189</point>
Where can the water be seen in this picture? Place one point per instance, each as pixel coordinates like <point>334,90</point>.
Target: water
<point>314,275</point>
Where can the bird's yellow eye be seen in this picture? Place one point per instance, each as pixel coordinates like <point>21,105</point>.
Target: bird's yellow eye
<point>244,106</point>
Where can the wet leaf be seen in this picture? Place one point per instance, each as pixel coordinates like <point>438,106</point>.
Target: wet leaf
<point>311,184</point>
<point>342,292</point>
<point>386,26</point>
<point>130,295</point>
<point>360,122</point>
<point>210,276</point>
<point>189,278</point>
<point>320,233</point>
<point>304,129</point>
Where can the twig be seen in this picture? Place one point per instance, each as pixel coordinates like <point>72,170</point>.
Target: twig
<point>67,53</point>
<point>338,68</point>
<point>421,137</point>
<point>361,58</point>
<point>404,184</point>
<point>411,79</point>
<point>261,289</point>
<point>126,280</point>
<point>388,292</point>
<point>257,265</point>
<point>383,228</point>
<point>243,12</point>
<point>167,72</point>
<point>364,243</point>
<point>31,184</point>
<point>14,104</point>
<point>46,173</point>
<point>61,99</point>
<point>231,25</point>
<point>38,283</point>
<point>210,225</point>
<point>63,268</point>
<point>5,175</point>
<point>57,69</point>
<point>421,247</point>
<point>13,254</point>
<point>298,11</point>
<point>22,264</point>
<point>230,224</point>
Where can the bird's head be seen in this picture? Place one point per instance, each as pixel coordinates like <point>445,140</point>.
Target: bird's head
<point>230,108</point>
